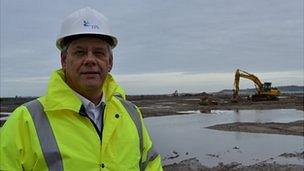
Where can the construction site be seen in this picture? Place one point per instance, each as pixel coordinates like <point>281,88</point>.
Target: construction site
<point>190,129</point>
<point>264,111</point>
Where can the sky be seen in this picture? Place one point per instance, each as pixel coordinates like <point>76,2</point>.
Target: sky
<point>190,46</point>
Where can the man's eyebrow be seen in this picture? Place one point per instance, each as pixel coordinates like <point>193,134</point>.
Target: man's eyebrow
<point>97,48</point>
<point>100,48</point>
<point>79,47</point>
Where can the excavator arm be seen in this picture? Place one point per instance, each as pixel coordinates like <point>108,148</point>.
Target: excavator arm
<point>264,91</point>
<point>238,74</point>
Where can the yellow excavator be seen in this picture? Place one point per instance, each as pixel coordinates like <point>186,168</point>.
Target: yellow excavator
<point>264,91</point>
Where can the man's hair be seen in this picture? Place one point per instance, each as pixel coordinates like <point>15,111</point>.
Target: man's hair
<point>68,40</point>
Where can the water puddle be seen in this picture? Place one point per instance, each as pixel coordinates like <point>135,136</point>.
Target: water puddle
<point>189,112</point>
<point>181,137</point>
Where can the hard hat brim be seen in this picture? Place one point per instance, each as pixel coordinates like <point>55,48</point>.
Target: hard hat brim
<point>62,42</point>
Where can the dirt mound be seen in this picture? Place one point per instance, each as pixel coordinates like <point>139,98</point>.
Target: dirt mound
<point>193,164</point>
<point>291,128</point>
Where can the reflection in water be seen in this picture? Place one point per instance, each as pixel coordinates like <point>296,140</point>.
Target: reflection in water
<point>186,134</point>
<point>237,114</point>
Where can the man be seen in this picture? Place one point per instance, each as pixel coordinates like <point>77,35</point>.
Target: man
<point>83,122</point>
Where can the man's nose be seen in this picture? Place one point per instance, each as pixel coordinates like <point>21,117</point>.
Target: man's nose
<point>90,58</point>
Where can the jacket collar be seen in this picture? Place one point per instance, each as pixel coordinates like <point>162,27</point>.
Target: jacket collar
<point>60,96</point>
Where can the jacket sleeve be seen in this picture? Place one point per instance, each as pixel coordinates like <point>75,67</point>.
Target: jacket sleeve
<point>151,159</point>
<point>16,141</point>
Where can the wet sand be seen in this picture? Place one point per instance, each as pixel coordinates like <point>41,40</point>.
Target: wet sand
<point>291,128</point>
<point>193,164</point>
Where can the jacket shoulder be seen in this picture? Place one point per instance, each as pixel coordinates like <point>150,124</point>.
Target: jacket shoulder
<point>19,115</point>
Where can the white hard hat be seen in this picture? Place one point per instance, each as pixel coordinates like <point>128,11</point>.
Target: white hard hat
<point>85,21</point>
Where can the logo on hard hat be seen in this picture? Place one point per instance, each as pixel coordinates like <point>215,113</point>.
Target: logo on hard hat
<point>87,24</point>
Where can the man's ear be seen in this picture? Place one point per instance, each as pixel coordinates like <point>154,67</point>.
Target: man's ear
<point>63,60</point>
<point>110,63</point>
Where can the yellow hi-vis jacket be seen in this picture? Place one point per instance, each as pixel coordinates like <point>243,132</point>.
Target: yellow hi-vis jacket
<point>65,138</point>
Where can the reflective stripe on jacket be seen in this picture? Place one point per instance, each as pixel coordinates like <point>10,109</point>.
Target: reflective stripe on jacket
<point>80,145</point>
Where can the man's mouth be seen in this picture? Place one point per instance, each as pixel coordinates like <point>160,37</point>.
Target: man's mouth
<point>89,72</point>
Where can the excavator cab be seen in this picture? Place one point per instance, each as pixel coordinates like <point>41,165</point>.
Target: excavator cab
<point>267,86</point>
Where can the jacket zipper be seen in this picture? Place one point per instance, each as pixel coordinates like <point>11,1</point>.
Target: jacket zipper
<point>82,112</point>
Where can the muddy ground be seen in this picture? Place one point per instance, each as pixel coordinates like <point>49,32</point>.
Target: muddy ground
<point>193,164</point>
<point>170,105</point>
<point>166,105</point>
<point>291,128</point>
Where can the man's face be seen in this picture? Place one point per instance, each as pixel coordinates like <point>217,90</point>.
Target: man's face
<point>86,64</point>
